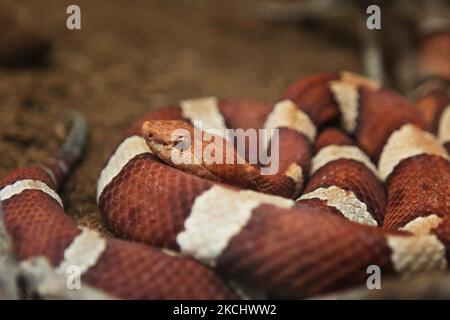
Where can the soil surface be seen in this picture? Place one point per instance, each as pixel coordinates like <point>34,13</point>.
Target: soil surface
<point>134,56</point>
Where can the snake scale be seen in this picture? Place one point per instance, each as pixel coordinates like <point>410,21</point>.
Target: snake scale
<point>364,179</point>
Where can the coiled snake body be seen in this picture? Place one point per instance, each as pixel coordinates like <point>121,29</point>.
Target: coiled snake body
<point>205,235</point>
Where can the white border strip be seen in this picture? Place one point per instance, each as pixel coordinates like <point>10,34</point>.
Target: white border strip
<point>28,184</point>
<point>127,150</point>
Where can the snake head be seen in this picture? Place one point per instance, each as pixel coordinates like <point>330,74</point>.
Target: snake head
<point>167,134</point>
<point>173,142</point>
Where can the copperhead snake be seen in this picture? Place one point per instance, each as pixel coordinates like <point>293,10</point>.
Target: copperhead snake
<point>374,192</point>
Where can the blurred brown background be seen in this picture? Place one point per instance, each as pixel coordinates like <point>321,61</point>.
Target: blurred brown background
<point>132,56</point>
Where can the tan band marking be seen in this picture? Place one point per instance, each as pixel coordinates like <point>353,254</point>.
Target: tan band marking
<point>50,173</point>
<point>345,91</point>
<point>74,150</point>
<point>422,225</point>
<point>420,253</point>
<point>83,252</point>
<point>444,126</point>
<point>295,172</point>
<point>411,254</point>
<point>204,112</point>
<point>344,201</point>
<point>60,163</point>
<point>171,252</point>
<point>41,278</point>
<point>216,216</point>
<point>28,184</point>
<point>347,97</point>
<point>360,81</point>
<point>406,142</point>
<point>127,150</point>
<point>334,152</point>
<point>245,292</point>
<point>286,114</point>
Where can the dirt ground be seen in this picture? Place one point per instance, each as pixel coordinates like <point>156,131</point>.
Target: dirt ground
<point>133,56</point>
